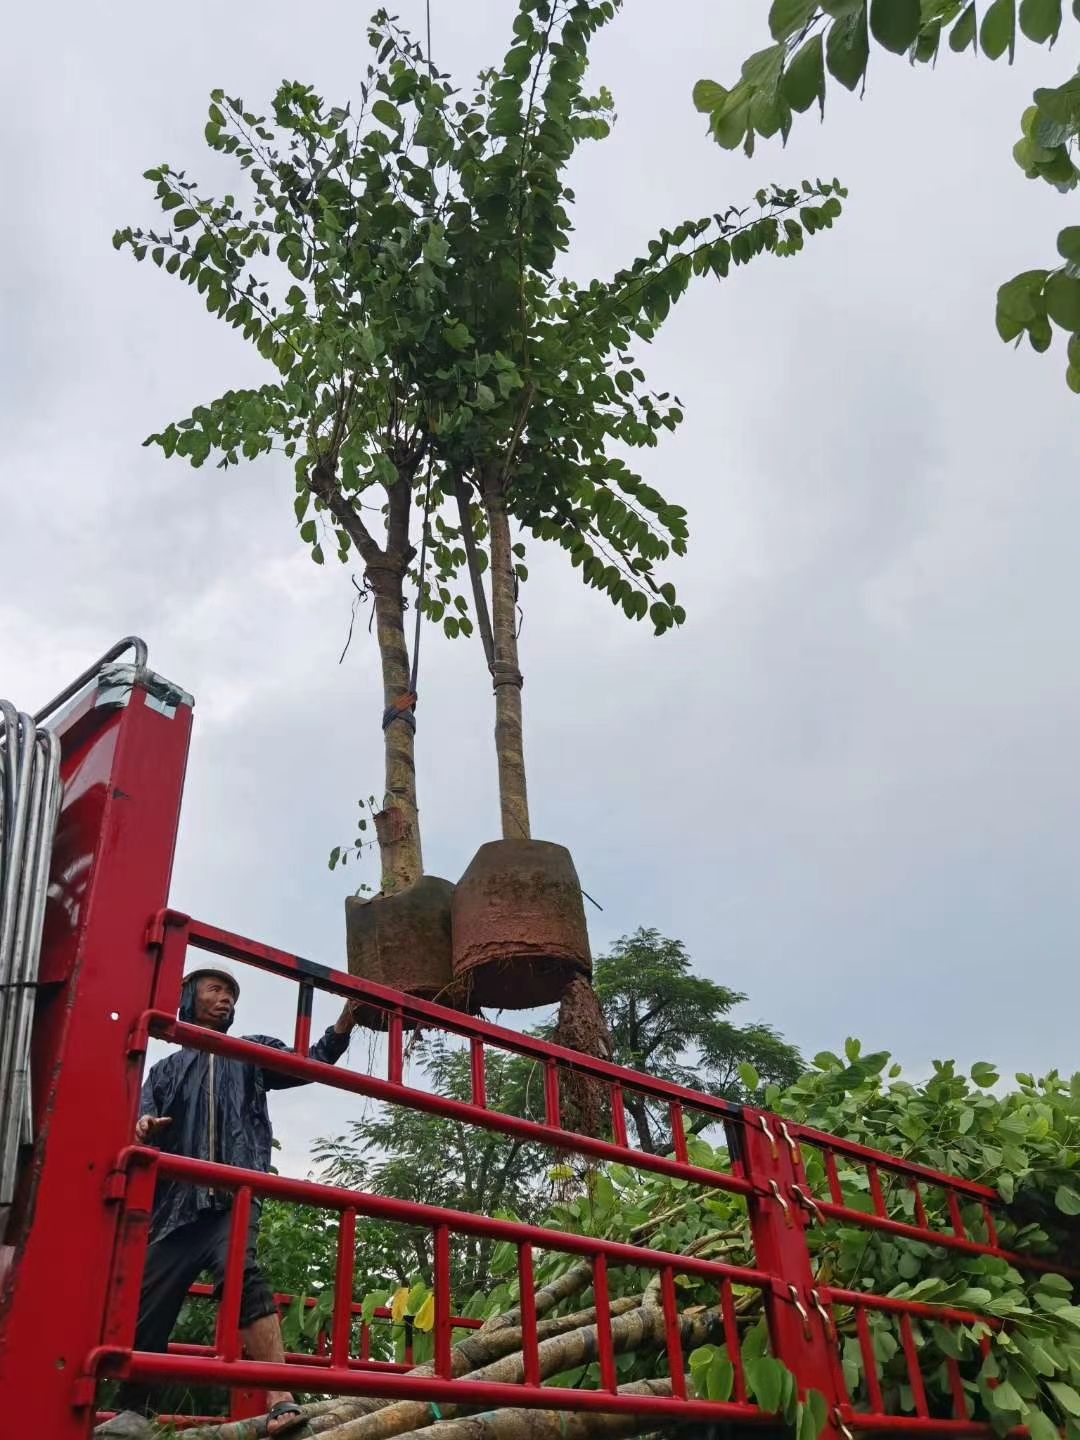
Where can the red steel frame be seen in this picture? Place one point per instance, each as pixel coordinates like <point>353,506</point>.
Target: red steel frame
<point>114,959</point>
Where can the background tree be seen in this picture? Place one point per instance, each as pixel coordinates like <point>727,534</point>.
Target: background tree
<point>672,1024</point>
<point>425,350</point>
<point>812,40</point>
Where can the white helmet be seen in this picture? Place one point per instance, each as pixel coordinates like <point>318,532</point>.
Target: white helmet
<point>220,973</point>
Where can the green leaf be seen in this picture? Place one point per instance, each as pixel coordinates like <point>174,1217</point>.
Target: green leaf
<point>963,32</point>
<point>998,30</point>
<point>895,23</point>
<point>766,1379</point>
<point>1067,1200</point>
<point>748,1075</point>
<point>709,96</point>
<point>755,1341</point>
<point>1040,20</point>
<point>1072,378</point>
<point>1063,300</point>
<point>701,1358</point>
<point>1041,1426</point>
<point>184,219</point>
<point>1068,244</point>
<point>386,114</point>
<point>1017,298</point>
<point>984,1074</point>
<point>786,17</point>
<point>1040,334</point>
<point>803,81</point>
<point>1006,1397</point>
<point>816,1404</point>
<point>1065,1395</point>
<point>719,1377</point>
<point>847,49</point>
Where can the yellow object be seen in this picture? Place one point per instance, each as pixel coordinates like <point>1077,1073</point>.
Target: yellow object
<point>425,1316</point>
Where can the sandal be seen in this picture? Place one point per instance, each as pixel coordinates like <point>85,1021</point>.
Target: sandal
<point>282,1410</point>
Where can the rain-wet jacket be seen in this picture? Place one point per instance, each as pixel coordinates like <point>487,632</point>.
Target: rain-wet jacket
<point>234,1130</point>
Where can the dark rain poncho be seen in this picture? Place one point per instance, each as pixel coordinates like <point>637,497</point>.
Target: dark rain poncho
<point>179,1086</point>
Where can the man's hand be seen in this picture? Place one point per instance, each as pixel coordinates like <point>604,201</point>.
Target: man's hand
<point>148,1126</point>
<point>346,1021</point>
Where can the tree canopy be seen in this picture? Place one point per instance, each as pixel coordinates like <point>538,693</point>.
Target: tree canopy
<point>400,262</point>
<point>673,1024</point>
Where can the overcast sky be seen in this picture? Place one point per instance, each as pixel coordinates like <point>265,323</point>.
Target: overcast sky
<point>848,783</point>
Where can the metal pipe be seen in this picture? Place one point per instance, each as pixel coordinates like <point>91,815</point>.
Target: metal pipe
<point>14,1064</point>
<point>130,642</point>
<point>19,762</point>
<point>20,750</point>
<point>53,792</point>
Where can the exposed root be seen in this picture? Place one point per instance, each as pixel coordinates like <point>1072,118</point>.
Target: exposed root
<point>581,1026</point>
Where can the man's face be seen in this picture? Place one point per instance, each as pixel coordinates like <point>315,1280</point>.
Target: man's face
<point>213,1003</point>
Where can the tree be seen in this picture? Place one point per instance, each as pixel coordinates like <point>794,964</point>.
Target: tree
<point>1028,1138</point>
<point>788,77</point>
<point>397,268</point>
<point>672,1024</point>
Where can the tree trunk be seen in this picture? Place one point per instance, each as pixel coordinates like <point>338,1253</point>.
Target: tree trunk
<point>506,676</point>
<point>404,1416</point>
<point>640,1115</point>
<point>480,1347</point>
<point>511,1424</point>
<point>397,825</point>
<point>643,1328</point>
<point>581,1023</point>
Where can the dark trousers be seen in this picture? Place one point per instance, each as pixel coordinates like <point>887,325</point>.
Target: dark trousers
<point>173,1263</point>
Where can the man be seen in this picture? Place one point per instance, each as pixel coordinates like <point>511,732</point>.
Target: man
<point>210,1108</point>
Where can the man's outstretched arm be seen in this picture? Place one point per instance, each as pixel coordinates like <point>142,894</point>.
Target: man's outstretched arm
<point>329,1048</point>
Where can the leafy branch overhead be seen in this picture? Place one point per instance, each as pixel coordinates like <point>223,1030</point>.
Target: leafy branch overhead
<point>813,41</point>
<point>398,264</point>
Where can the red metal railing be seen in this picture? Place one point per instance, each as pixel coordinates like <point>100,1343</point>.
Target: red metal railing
<point>111,981</point>
<point>768,1168</point>
<point>970,1207</point>
<point>176,932</point>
